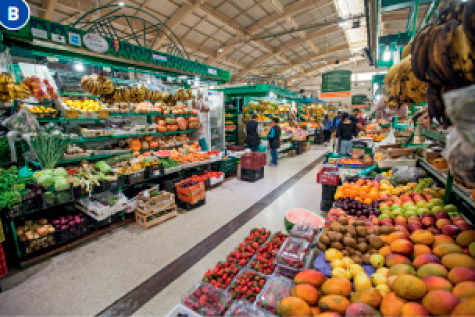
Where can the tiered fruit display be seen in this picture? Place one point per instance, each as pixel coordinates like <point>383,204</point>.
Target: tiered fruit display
<point>9,90</point>
<point>37,88</point>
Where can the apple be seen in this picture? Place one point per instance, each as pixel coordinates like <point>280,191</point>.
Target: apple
<point>428,222</point>
<point>436,209</point>
<point>409,213</point>
<point>450,208</point>
<point>395,206</point>
<point>375,221</point>
<point>414,218</point>
<point>421,211</point>
<point>441,215</point>
<point>421,203</point>
<point>463,225</point>
<point>437,202</point>
<point>434,231</point>
<point>407,204</point>
<point>412,226</point>
<point>456,218</point>
<point>451,230</point>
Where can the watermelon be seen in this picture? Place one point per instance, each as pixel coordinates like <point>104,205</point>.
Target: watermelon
<point>162,153</point>
<point>295,215</point>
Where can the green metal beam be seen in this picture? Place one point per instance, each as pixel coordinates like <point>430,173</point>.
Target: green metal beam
<point>393,5</point>
<point>410,19</point>
<point>416,7</point>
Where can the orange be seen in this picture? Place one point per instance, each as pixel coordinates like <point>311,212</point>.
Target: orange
<point>359,199</point>
<point>360,181</point>
<point>354,193</point>
<point>364,188</point>
<point>368,201</point>
<point>373,195</point>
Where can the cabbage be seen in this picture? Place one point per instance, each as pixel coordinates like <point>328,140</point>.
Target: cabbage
<point>45,180</point>
<point>105,168</point>
<point>60,183</point>
<point>48,172</point>
<point>60,171</point>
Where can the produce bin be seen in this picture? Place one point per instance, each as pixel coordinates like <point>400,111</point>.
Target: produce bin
<point>328,176</point>
<point>251,175</point>
<point>134,178</point>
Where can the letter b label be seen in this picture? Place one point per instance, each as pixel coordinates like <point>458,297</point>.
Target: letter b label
<point>13,14</point>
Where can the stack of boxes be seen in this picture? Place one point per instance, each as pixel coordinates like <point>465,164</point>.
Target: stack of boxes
<point>252,166</point>
<point>191,195</point>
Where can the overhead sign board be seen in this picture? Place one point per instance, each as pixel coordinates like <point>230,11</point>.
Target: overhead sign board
<point>336,83</point>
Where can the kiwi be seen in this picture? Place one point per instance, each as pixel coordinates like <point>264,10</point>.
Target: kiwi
<point>363,247</point>
<point>338,237</point>
<point>360,239</point>
<point>351,230</point>
<point>351,251</point>
<point>321,246</point>
<point>376,231</point>
<point>366,259</point>
<point>386,230</point>
<point>342,229</point>
<point>376,242</point>
<point>361,231</point>
<point>337,245</point>
<point>357,259</point>
<point>343,221</point>
<point>335,226</point>
<point>372,251</point>
<point>370,231</point>
<point>358,253</point>
<point>324,239</point>
<point>331,235</point>
<point>349,242</point>
<point>357,223</point>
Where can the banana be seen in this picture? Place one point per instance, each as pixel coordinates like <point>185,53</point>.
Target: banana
<point>435,103</point>
<point>407,50</point>
<point>419,50</point>
<point>434,72</point>
<point>466,53</point>
<point>469,20</point>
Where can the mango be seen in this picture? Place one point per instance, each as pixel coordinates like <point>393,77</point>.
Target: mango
<point>453,260</point>
<point>360,310</point>
<point>394,259</point>
<point>464,290</point>
<point>334,303</point>
<point>383,289</point>
<point>315,311</point>
<point>441,238</point>
<point>420,249</point>
<point>461,274</point>
<point>391,305</point>
<point>337,286</point>
<point>368,296</point>
<point>361,281</point>
<point>422,237</point>
<point>413,309</point>
<point>465,238</point>
<point>402,269</point>
<point>471,249</point>
<point>395,236</point>
<point>440,302</point>
<point>312,277</point>
<point>294,306</point>
<point>465,308</point>
<point>425,259</point>
<point>409,287</point>
<point>431,269</point>
<point>307,292</point>
<point>385,251</point>
<point>402,246</point>
<point>329,314</point>
<point>446,248</point>
<point>437,282</point>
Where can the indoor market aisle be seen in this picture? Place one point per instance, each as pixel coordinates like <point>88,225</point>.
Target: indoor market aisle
<point>306,193</point>
<point>86,280</point>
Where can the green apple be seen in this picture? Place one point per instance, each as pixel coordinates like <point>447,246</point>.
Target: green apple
<point>437,202</point>
<point>429,205</point>
<point>436,209</point>
<point>450,208</point>
<point>384,208</point>
<point>383,216</point>
<point>422,210</point>
<point>407,204</point>
<point>395,206</point>
<point>412,208</point>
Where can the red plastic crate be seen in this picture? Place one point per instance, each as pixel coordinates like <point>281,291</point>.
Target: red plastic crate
<point>327,179</point>
<point>3,263</point>
<point>253,161</point>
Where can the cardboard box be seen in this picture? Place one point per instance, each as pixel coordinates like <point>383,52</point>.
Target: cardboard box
<point>357,153</point>
<point>401,152</point>
<point>388,146</point>
<point>430,155</point>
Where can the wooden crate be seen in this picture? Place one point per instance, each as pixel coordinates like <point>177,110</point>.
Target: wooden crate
<point>151,220</point>
<point>155,204</point>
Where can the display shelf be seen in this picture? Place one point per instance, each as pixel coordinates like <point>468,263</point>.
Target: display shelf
<point>124,136</point>
<point>457,189</point>
<point>64,119</point>
<point>76,94</point>
<point>434,134</point>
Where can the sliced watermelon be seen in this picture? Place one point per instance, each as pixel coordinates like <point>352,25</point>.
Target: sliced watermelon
<point>295,215</point>
<point>162,153</point>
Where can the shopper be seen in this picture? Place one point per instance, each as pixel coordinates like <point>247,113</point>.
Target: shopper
<point>252,139</point>
<point>337,120</point>
<point>327,129</point>
<point>355,118</point>
<point>274,140</point>
<point>345,132</point>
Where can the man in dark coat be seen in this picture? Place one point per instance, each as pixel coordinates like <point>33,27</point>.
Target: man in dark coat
<point>274,140</point>
<point>252,135</point>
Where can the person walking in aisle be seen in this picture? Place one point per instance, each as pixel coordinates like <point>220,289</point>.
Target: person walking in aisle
<point>274,140</point>
<point>345,132</point>
<point>336,121</point>
<point>252,138</point>
<point>327,129</point>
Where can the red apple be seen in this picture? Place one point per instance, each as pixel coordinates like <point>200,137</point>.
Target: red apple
<point>428,222</point>
<point>434,231</point>
<point>412,226</point>
<point>442,215</point>
<point>463,225</point>
<point>451,230</point>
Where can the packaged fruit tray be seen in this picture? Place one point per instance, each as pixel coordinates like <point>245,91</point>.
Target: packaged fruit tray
<point>206,299</point>
<point>222,274</point>
<point>242,308</point>
<point>247,285</point>
<point>304,230</point>
<point>291,257</point>
<point>276,289</point>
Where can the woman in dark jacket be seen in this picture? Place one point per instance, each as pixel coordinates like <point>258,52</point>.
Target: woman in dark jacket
<point>274,140</point>
<point>346,131</point>
<point>252,139</point>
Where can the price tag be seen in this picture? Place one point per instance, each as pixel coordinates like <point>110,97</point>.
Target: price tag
<point>106,68</point>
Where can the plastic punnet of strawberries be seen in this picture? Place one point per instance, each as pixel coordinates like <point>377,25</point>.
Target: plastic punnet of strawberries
<point>242,308</point>
<point>207,300</point>
<point>222,274</point>
<point>264,262</point>
<point>276,289</point>
<point>247,285</point>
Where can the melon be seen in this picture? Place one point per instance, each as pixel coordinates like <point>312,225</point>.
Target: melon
<point>295,215</point>
<point>162,153</point>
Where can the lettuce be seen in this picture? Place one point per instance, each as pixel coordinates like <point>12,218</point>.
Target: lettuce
<point>45,180</point>
<point>60,183</point>
<point>60,171</point>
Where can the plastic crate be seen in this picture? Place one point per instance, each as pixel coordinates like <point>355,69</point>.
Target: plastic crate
<point>134,178</point>
<point>324,176</point>
<point>111,185</point>
<point>252,175</point>
<point>188,206</point>
<point>298,146</point>
<point>71,233</point>
<point>25,205</point>
<point>28,247</point>
<point>51,199</point>
<point>3,262</point>
<point>253,161</point>
<point>155,169</point>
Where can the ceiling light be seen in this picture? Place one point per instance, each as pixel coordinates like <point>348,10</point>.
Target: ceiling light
<point>79,67</point>
<point>121,4</point>
<point>220,50</point>
<point>352,58</point>
<point>183,77</point>
<point>387,54</point>
<point>342,23</point>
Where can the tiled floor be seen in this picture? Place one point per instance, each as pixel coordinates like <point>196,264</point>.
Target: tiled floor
<point>86,280</point>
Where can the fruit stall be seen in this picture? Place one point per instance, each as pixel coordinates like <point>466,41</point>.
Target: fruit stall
<point>100,137</point>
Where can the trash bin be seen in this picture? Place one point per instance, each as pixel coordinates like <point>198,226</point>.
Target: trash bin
<point>318,136</point>
<point>328,193</point>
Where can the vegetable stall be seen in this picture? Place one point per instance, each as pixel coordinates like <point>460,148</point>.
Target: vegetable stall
<point>91,129</point>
